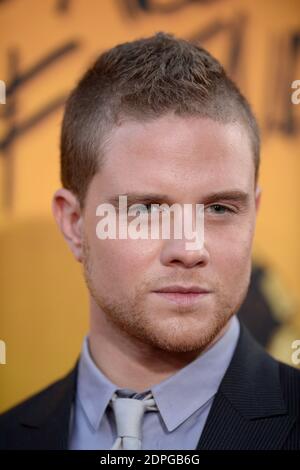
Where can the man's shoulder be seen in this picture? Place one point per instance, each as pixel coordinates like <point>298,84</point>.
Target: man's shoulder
<point>33,402</point>
<point>39,408</point>
<point>257,384</point>
<point>290,385</point>
<point>257,405</point>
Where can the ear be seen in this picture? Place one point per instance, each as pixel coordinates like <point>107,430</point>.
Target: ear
<point>68,216</point>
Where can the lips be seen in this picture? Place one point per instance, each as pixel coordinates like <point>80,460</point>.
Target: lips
<point>182,295</point>
<point>183,289</point>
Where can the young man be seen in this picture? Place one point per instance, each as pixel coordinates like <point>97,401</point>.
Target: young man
<point>166,364</point>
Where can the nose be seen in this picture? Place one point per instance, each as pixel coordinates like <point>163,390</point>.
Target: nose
<point>174,252</point>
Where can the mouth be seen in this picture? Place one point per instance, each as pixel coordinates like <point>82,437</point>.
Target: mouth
<point>182,295</point>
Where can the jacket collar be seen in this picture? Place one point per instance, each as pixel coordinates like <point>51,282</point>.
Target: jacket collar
<point>248,411</point>
<point>48,423</point>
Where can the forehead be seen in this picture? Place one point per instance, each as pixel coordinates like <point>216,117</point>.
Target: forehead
<point>177,155</point>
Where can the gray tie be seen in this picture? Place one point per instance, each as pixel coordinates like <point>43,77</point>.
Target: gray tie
<point>129,414</point>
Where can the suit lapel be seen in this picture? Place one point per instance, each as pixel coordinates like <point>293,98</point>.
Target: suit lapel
<point>47,425</point>
<point>248,411</point>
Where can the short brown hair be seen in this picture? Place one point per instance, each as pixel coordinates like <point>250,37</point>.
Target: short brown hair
<point>144,79</point>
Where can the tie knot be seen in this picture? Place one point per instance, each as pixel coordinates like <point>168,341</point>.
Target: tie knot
<point>144,400</point>
<point>129,414</point>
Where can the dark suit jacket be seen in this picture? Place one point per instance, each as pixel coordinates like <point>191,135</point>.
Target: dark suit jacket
<point>256,407</point>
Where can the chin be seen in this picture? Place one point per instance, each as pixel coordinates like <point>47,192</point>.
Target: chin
<point>183,336</point>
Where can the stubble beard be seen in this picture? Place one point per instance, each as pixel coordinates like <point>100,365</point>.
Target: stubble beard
<point>176,333</point>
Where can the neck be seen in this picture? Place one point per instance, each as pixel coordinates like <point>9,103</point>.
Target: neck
<point>136,365</point>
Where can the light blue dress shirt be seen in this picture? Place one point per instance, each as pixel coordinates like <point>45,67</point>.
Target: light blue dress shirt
<point>183,400</point>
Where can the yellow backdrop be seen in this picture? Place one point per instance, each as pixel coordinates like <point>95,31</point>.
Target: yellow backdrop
<point>45,47</point>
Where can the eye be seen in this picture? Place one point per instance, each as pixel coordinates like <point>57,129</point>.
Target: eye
<point>142,208</point>
<point>145,208</point>
<point>220,209</point>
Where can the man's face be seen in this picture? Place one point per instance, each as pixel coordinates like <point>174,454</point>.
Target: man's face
<point>187,159</point>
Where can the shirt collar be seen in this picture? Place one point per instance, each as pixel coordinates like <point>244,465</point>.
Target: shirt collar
<point>199,381</point>
<point>94,389</point>
<point>189,389</point>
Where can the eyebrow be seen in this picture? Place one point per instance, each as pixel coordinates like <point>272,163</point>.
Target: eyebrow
<point>155,198</point>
